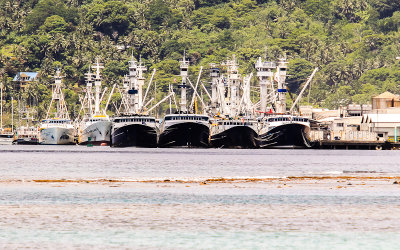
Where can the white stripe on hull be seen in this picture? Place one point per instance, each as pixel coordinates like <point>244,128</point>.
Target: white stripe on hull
<point>56,136</point>
<point>98,132</point>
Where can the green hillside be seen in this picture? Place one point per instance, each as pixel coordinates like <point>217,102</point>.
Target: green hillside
<point>354,42</point>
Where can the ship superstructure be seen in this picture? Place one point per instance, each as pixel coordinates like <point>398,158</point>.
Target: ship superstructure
<point>233,123</point>
<point>95,127</point>
<point>185,129</point>
<point>57,128</point>
<point>134,127</point>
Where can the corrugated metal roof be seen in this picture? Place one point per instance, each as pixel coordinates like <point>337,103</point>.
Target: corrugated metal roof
<point>32,76</point>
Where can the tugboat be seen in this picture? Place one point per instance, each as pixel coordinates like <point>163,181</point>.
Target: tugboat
<point>184,129</point>
<point>279,129</point>
<point>95,127</point>
<point>233,125</point>
<point>59,129</point>
<point>134,128</point>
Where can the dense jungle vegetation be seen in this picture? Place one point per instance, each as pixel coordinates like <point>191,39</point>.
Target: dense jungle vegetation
<point>354,43</point>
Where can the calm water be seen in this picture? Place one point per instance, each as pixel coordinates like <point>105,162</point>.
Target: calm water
<point>189,215</point>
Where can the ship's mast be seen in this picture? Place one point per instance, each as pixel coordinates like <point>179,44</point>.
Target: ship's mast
<point>140,83</point>
<point>133,90</point>
<point>97,83</point>
<point>58,97</point>
<point>281,78</point>
<point>184,66</point>
<point>265,75</point>
<point>88,96</point>
<point>215,78</point>
<point>233,85</point>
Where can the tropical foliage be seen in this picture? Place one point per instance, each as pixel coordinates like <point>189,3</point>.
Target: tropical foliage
<point>353,42</point>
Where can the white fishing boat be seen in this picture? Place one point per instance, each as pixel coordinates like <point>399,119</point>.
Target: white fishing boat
<point>58,129</point>
<point>95,127</point>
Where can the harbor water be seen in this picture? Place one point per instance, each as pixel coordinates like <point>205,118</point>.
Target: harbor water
<point>99,197</point>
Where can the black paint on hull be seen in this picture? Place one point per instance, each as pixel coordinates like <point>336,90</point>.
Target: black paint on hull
<point>236,137</point>
<point>26,141</point>
<point>289,135</point>
<point>134,135</point>
<point>185,134</point>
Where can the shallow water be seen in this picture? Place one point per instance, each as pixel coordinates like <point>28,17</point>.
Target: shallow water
<point>295,214</point>
<point>79,162</point>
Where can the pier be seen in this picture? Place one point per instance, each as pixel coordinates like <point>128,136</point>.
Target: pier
<point>353,144</point>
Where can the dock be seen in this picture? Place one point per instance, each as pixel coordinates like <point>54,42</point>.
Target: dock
<point>356,144</point>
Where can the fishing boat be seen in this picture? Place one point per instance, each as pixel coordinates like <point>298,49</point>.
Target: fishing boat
<point>134,127</point>
<point>233,125</point>
<point>285,131</point>
<point>58,129</point>
<point>185,129</point>
<point>26,135</point>
<point>279,127</point>
<point>95,127</point>
<point>234,133</point>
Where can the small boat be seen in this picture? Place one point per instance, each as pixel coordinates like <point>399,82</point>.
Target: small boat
<point>26,136</point>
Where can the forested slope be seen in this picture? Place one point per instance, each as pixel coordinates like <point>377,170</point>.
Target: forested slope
<point>354,42</point>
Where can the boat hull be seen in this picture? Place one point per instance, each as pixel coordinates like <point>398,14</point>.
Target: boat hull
<point>98,132</point>
<point>236,137</point>
<point>26,141</point>
<point>56,136</point>
<point>186,134</point>
<point>286,136</point>
<point>134,135</point>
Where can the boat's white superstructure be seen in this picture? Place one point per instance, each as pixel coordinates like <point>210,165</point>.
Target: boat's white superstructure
<point>95,127</point>
<point>59,129</point>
